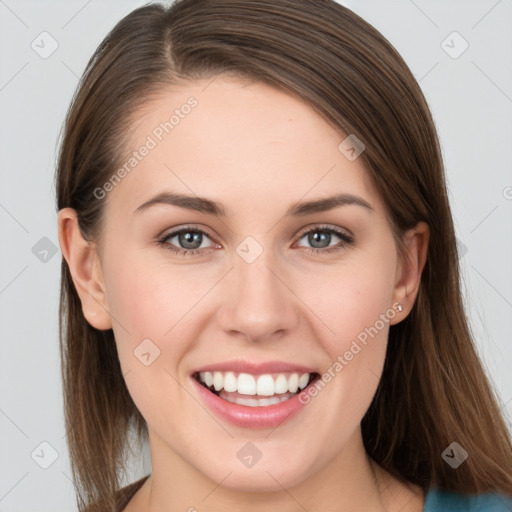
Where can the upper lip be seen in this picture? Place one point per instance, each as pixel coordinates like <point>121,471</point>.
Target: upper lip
<point>240,366</point>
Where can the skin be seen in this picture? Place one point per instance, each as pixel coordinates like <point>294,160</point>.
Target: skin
<point>256,150</point>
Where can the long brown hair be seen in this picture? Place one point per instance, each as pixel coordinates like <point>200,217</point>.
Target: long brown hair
<point>434,389</point>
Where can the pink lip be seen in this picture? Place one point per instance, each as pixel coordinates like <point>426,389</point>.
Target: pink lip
<point>254,368</point>
<point>250,417</point>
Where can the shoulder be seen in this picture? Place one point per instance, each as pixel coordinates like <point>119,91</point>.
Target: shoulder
<point>438,500</point>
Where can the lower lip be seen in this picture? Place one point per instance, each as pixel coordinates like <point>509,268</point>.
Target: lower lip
<point>250,417</point>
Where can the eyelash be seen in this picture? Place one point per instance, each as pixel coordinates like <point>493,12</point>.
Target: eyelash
<point>345,240</point>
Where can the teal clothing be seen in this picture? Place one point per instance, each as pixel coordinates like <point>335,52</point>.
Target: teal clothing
<point>447,501</point>
<point>436,500</point>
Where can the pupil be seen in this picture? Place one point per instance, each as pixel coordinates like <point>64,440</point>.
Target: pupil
<point>188,239</point>
<point>317,236</point>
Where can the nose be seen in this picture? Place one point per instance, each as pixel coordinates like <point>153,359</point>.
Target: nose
<point>258,303</point>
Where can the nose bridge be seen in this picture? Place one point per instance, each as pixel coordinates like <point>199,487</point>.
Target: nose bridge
<point>259,303</point>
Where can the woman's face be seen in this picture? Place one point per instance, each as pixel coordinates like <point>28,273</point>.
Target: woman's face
<point>265,289</point>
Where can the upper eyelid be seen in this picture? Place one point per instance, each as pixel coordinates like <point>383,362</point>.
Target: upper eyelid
<point>184,229</point>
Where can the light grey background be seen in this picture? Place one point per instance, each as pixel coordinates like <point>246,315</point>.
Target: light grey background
<point>471,100</point>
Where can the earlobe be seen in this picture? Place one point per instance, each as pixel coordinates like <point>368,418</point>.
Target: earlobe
<point>410,268</point>
<point>84,265</point>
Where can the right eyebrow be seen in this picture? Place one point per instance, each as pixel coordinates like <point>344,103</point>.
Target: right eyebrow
<point>199,204</point>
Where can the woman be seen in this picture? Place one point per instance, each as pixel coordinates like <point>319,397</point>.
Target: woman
<point>260,273</point>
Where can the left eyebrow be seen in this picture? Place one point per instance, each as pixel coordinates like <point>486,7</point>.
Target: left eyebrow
<point>328,203</point>
<point>210,207</point>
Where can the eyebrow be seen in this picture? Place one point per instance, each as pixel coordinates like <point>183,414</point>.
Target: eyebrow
<point>298,209</point>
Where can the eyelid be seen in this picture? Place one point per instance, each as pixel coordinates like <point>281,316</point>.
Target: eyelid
<point>300,234</point>
<point>345,235</point>
<point>346,239</point>
<point>168,234</point>
<point>325,227</point>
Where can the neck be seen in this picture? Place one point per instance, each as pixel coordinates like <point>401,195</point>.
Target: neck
<point>349,481</point>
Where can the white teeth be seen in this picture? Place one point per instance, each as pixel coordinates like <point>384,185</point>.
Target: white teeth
<point>246,384</point>
<point>257,402</point>
<point>281,384</point>
<point>218,381</point>
<point>265,385</point>
<point>263,402</point>
<point>208,378</point>
<point>303,381</point>
<point>293,382</point>
<point>230,382</point>
<point>262,385</point>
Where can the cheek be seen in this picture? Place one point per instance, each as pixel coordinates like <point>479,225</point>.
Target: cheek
<point>366,296</point>
<point>355,302</point>
<point>158,302</point>
<point>149,298</point>
<point>351,299</point>
<point>150,305</point>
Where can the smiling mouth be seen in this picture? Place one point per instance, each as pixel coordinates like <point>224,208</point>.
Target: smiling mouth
<point>255,390</point>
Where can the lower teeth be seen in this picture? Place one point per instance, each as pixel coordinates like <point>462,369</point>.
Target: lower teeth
<point>257,402</point>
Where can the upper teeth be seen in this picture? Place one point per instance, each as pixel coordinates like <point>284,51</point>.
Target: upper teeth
<point>247,384</point>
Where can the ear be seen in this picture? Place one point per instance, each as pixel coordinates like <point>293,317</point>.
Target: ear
<point>409,269</point>
<point>85,269</point>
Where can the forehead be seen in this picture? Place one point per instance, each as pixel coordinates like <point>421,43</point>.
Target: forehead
<point>236,141</point>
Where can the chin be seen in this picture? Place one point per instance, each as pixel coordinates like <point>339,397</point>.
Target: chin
<point>272,475</point>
